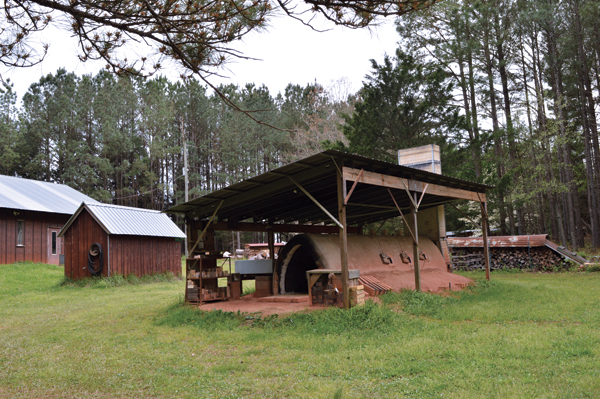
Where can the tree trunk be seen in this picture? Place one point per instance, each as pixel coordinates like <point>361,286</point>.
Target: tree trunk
<point>567,178</point>
<point>499,161</point>
<point>590,128</point>
<point>474,149</point>
<point>543,132</point>
<point>510,132</point>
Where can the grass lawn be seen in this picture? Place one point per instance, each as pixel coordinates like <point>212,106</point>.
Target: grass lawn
<point>522,336</point>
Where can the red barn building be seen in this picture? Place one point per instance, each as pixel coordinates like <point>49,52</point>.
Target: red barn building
<point>106,240</point>
<point>31,215</point>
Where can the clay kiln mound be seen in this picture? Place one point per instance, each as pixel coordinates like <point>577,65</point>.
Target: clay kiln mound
<point>388,258</point>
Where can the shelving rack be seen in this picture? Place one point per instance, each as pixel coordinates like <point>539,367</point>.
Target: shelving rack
<point>203,275</point>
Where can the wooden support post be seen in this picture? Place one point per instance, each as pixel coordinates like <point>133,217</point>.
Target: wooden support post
<point>341,188</point>
<point>486,244</point>
<point>208,239</point>
<point>190,225</point>
<point>271,242</point>
<point>416,260</point>
<point>185,174</point>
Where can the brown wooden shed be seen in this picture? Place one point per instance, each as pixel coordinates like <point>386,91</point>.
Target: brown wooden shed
<point>131,240</point>
<point>31,215</point>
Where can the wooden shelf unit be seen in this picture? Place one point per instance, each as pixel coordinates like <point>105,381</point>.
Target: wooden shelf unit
<point>202,284</point>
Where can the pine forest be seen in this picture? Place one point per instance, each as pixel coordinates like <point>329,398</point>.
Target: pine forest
<point>507,89</point>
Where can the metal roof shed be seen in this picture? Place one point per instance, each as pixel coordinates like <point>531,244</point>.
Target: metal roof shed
<point>31,215</point>
<point>329,192</point>
<point>33,195</point>
<point>122,240</point>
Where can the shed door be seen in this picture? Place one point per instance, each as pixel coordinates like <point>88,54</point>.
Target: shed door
<point>55,247</point>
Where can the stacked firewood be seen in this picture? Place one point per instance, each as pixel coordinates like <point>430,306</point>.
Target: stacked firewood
<point>539,258</point>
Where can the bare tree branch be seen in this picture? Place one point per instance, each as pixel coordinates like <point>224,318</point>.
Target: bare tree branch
<point>195,35</point>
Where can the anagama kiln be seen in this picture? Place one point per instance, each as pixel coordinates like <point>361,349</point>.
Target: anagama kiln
<point>387,258</point>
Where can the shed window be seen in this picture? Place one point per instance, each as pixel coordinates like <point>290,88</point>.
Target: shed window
<point>54,243</point>
<point>20,232</point>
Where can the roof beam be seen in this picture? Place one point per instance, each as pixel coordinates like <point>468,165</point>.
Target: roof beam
<point>378,179</point>
<point>279,228</point>
<point>316,202</point>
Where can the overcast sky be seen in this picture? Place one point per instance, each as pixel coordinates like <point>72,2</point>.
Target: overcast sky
<point>288,51</point>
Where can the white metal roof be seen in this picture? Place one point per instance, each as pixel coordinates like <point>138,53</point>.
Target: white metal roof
<point>123,220</point>
<point>33,195</point>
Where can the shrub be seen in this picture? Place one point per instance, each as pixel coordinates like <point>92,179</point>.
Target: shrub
<point>593,267</point>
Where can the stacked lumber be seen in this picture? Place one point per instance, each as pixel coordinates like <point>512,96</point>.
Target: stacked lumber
<point>373,286</point>
<point>540,258</point>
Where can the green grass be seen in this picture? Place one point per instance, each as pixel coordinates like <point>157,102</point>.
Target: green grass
<point>521,336</point>
<point>117,280</point>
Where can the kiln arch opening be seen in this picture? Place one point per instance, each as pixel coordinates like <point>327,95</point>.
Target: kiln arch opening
<point>295,263</point>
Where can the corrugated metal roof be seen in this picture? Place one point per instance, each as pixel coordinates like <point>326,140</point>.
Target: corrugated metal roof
<point>538,240</point>
<point>275,196</point>
<point>123,220</point>
<point>566,253</point>
<point>33,195</point>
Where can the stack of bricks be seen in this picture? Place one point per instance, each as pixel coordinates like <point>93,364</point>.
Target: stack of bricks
<point>357,295</point>
<point>192,293</point>
<point>214,272</point>
<point>327,291</point>
<point>212,294</point>
<point>329,298</point>
<point>317,293</point>
<point>339,299</point>
<point>333,297</point>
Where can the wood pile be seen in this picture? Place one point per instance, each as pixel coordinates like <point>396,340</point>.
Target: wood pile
<point>540,258</point>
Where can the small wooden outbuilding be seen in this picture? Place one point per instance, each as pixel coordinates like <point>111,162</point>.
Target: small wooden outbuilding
<point>110,239</point>
<point>31,215</point>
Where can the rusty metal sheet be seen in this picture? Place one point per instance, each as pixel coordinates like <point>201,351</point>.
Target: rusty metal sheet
<point>565,252</point>
<point>538,240</point>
